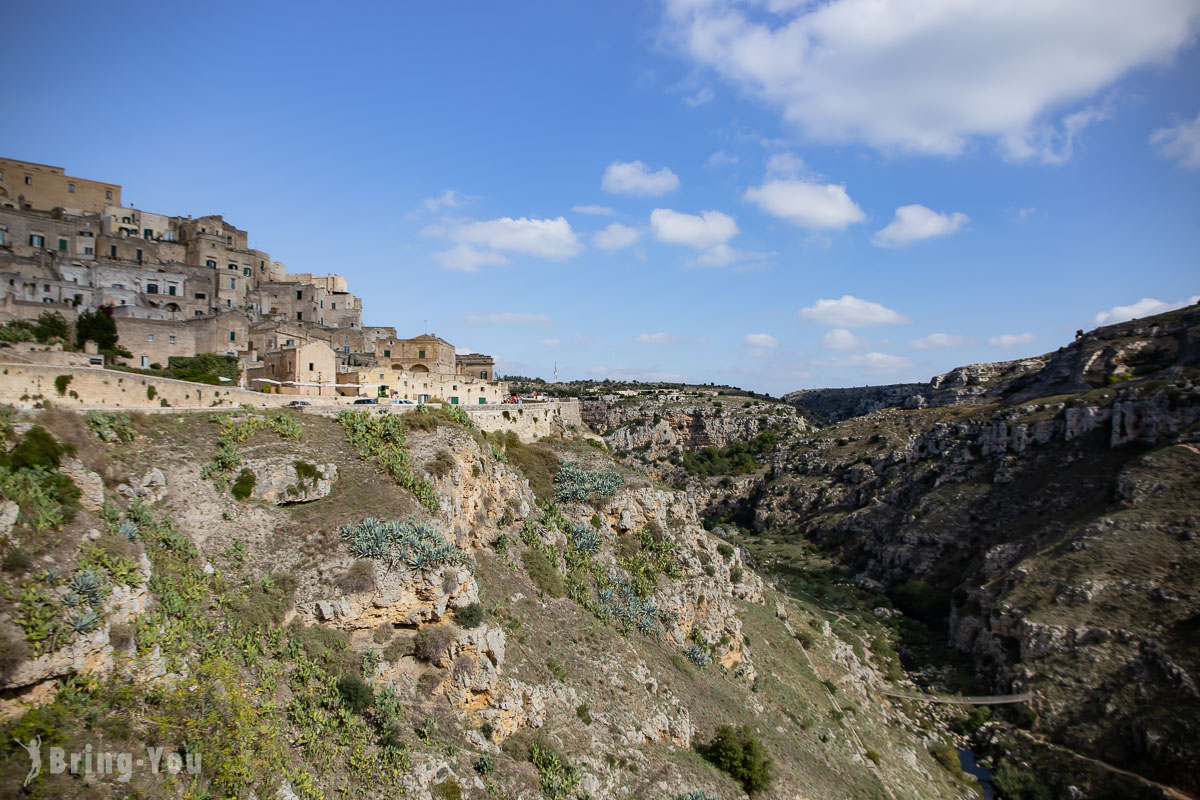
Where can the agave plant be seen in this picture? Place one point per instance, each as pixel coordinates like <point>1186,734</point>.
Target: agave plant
<point>584,539</point>
<point>87,584</point>
<point>129,529</point>
<point>82,623</point>
<point>699,655</point>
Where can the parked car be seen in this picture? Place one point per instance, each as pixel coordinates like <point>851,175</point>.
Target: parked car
<point>399,401</point>
<point>366,401</point>
<point>298,404</point>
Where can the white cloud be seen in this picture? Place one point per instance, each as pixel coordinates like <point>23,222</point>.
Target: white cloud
<point>463,351</point>
<point>842,339</point>
<point>549,343</point>
<point>928,76</point>
<point>1145,307</point>
<point>447,199</point>
<point>722,255</point>
<point>551,239</point>
<point>657,338</point>
<point>721,159</point>
<point>1009,340</point>
<point>1180,142</point>
<point>507,318</point>
<point>787,165</point>
<point>465,258</point>
<point>806,203</point>
<point>634,177</point>
<point>936,340</point>
<point>760,340</point>
<point>876,362</point>
<point>593,209</point>
<point>701,97</point>
<point>916,222</point>
<point>615,237</point>
<point>700,232</point>
<point>850,312</point>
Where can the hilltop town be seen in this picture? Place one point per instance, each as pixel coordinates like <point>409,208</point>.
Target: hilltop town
<point>178,287</point>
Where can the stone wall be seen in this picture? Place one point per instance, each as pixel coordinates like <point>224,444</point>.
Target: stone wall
<point>530,421</point>
<point>23,385</point>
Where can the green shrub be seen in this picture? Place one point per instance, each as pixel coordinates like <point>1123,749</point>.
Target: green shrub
<point>485,764</point>
<point>16,560</point>
<point>243,487</point>
<point>433,642</point>
<point>725,551</point>
<point>740,754</point>
<point>947,756</point>
<point>267,602</point>
<point>470,616</point>
<point>584,712</point>
<point>442,464</point>
<point>1014,783</point>
<point>111,427</point>
<point>736,458</point>
<point>414,544</point>
<point>61,383</point>
<point>735,575</point>
<point>39,448</point>
<point>151,392</point>
<point>357,694</point>
<point>558,778</point>
<point>545,575</point>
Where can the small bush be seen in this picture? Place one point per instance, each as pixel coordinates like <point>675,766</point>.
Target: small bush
<point>1017,784</point>
<point>357,694</point>
<point>267,602</point>
<point>740,754</point>
<point>359,578</point>
<point>151,392</point>
<point>469,616</point>
<point>947,756</point>
<point>39,448</point>
<point>442,464</point>
<point>575,484</point>
<point>434,642</point>
<point>735,575</point>
<point>16,560</point>
<point>725,551</point>
<point>61,383</point>
<point>485,764</point>
<point>584,712</point>
<point>243,487</point>
<point>543,574</point>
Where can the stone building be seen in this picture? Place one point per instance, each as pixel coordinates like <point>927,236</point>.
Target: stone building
<point>307,369</point>
<point>30,186</point>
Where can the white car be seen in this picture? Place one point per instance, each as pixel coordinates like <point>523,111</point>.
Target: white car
<point>397,401</point>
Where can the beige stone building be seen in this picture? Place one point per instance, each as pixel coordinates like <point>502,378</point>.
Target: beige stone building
<point>307,369</point>
<point>30,186</point>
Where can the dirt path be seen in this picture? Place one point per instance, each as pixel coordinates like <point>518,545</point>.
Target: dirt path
<point>1169,791</point>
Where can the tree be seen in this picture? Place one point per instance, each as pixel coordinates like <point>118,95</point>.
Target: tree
<point>51,325</point>
<point>739,753</point>
<point>97,326</point>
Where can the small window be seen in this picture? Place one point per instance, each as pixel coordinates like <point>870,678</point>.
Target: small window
<point>145,361</point>
<point>71,188</point>
<point>483,374</point>
<point>171,290</point>
<point>199,296</point>
<point>420,354</point>
<point>453,401</point>
<point>62,245</point>
<point>233,336</point>
<point>149,337</point>
<point>151,288</point>
<point>108,194</point>
<point>210,263</point>
<point>87,251</point>
<point>300,295</point>
<point>310,366</point>
<point>300,316</point>
<point>333,306</point>
<point>45,287</point>
<point>112,251</point>
<point>233,266</point>
<point>233,283</point>
<point>139,255</point>
<point>228,240</point>
<point>289,343</point>
<point>147,233</point>
<point>199,314</point>
<point>28,181</point>
<point>246,271</point>
<point>387,353</point>
<point>37,240</point>
<point>171,340</point>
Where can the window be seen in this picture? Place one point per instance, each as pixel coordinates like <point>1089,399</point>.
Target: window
<point>299,295</point>
<point>71,188</point>
<point>387,353</point>
<point>171,290</point>
<point>1,237</point>
<point>483,374</point>
<point>147,233</point>
<point>45,287</point>
<point>210,263</point>
<point>126,220</point>
<point>199,314</point>
<point>152,288</point>
<point>453,401</point>
<point>108,194</point>
<point>47,299</point>
<point>199,296</point>
<point>228,240</point>
<point>37,240</point>
<point>112,251</point>
<point>289,343</point>
<point>420,354</point>
<point>310,366</point>
<point>233,266</point>
<point>89,251</point>
<point>300,316</point>
<point>233,283</point>
<point>145,361</point>
<point>171,340</point>
<point>28,181</point>
<point>149,337</point>
<point>246,271</point>
<point>62,245</point>
<point>139,255</point>
<point>333,306</point>
<point>233,336</point>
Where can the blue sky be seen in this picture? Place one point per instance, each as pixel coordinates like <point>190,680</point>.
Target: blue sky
<point>773,194</point>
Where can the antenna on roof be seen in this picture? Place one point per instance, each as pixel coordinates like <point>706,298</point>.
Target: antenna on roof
<point>556,372</point>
